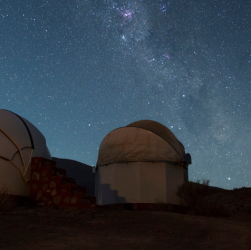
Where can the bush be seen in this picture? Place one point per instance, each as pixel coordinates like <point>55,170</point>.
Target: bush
<point>193,195</point>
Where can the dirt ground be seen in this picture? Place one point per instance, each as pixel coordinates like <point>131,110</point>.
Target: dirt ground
<point>28,227</point>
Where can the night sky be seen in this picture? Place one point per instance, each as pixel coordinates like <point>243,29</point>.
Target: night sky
<point>79,69</point>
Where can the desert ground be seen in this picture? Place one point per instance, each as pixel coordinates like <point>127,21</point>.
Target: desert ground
<point>28,226</point>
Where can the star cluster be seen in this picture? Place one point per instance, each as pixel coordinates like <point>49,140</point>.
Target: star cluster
<point>79,69</point>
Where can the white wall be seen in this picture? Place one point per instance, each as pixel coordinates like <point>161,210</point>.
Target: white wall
<point>138,182</point>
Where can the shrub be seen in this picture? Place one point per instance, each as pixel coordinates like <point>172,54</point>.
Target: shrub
<point>193,195</point>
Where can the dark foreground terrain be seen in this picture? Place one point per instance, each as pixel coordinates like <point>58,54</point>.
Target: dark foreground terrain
<point>30,227</point>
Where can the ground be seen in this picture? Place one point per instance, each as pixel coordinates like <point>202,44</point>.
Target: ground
<point>46,228</point>
<point>29,227</point>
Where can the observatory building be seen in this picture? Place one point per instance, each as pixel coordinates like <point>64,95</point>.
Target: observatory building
<point>19,142</point>
<point>141,163</point>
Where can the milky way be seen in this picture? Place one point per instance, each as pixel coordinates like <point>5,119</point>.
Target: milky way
<point>79,69</point>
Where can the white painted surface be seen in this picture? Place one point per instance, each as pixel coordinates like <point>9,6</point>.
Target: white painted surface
<point>138,182</point>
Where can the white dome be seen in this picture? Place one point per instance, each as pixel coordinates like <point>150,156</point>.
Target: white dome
<point>19,142</point>
<point>141,141</point>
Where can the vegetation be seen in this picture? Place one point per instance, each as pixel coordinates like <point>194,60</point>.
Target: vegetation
<point>195,196</point>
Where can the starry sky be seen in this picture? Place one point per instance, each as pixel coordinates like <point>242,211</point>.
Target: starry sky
<point>78,69</point>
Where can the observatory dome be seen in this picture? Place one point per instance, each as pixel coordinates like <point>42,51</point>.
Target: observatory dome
<point>145,141</point>
<point>19,142</point>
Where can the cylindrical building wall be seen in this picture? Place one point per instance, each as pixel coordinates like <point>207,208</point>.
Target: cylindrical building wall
<point>138,182</point>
